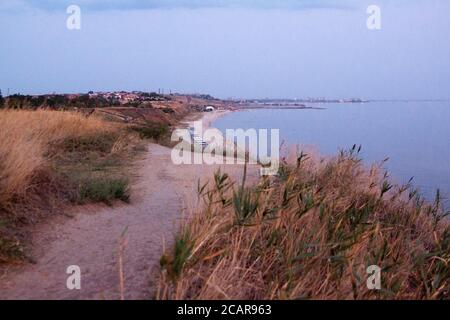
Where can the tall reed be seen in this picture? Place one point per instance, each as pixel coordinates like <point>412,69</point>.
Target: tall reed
<point>310,233</point>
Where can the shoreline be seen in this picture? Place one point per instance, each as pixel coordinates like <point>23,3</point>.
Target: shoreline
<point>207,118</point>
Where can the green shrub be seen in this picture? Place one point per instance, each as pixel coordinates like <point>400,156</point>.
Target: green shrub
<point>99,143</point>
<point>151,130</point>
<point>168,110</point>
<point>103,190</point>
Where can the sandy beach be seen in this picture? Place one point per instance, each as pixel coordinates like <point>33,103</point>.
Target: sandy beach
<point>207,118</point>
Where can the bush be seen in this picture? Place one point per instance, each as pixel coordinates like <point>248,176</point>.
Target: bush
<point>168,110</point>
<point>102,142</point>
<point>151,130</point>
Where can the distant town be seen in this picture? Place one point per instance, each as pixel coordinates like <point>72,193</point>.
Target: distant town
<point>142,99</point>
<point>95,99</point>
<point>297,102</point>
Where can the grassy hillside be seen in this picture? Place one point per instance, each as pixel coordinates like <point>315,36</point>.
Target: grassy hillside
<point>51,158</point>
<point>310,233</point>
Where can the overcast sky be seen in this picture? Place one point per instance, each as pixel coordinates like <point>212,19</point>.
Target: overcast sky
<point>246,48</point>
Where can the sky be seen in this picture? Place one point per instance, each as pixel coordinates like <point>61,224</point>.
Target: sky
<point>238,49</point>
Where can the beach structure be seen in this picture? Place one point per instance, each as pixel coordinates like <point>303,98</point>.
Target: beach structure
<point>196,139</point>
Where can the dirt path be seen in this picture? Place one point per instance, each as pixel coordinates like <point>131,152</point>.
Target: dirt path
<point>91,239</point>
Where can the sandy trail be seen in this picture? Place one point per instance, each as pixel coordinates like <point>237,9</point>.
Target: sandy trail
<point>91,239</point>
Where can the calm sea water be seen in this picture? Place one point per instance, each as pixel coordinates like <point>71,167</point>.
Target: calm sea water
<point>415,136</point>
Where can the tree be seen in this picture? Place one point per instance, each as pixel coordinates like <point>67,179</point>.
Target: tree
<point>37,101</point>
<point>2,100</point>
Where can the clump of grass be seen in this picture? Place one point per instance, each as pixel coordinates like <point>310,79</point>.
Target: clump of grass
<point>100,143</point>
<point>311,233</point>
<point>10,249</point>
<point>151,130</point>
<point>103,190</point>
<point>182,252</point>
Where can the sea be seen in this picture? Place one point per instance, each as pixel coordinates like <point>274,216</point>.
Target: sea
<point>414,137</point>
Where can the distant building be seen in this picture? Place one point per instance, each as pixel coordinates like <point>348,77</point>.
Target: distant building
<point>209,109</point>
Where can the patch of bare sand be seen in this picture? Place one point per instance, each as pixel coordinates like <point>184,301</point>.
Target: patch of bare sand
<point>91,238</point>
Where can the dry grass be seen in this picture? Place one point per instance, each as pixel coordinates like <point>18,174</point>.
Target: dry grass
<point>26,137</point>
<point>310,233</point>
<point>51,157</point>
